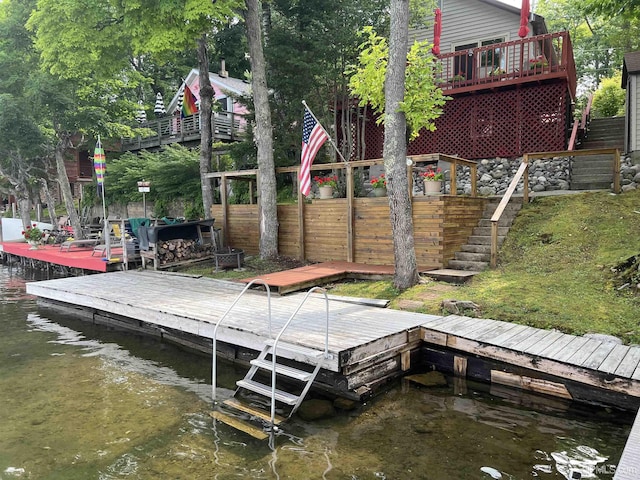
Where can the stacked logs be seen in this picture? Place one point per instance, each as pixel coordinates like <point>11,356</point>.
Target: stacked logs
<point>181,250</point>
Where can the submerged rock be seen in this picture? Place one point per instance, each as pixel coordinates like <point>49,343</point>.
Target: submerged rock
<point>316,409</point>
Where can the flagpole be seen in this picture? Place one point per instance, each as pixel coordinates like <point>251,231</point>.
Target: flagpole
<point>105,235</point>
<point>327,133</point>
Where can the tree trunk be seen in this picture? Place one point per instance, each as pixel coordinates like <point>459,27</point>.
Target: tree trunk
<point>206,97</point>
<point>24,205</point>
<point>395,150</point>
<point>65,187</point>
<point>51,203</point>
<point>263,135</point>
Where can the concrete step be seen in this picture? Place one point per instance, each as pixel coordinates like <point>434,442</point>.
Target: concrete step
<point>473,257</point>
<point>503,222</point>
<point>476,248</point>
<point>463,265</point>
<point>482,231</point>
<point>483,240</point>
<point>590,186</point>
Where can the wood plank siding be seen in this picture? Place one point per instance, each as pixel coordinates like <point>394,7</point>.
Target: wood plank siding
<point>441,224</point>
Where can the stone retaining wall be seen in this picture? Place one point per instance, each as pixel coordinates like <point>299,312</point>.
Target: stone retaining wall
<point>495,174</point>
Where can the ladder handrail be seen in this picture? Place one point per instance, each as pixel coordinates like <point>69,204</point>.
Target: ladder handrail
<point>224,315</point>
<point>275,344</point>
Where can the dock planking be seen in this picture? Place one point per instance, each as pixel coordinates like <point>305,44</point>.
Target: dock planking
<point>363,339</point>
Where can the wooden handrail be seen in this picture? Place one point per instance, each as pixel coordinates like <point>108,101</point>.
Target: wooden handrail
<point>574,135</point>
<point>495,218</point>
<point>433,157</point>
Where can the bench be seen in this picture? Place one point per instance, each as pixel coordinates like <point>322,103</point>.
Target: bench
<point>87,243</point>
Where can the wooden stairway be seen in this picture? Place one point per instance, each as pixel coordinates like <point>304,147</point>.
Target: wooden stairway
<point>595,172</point>
<point>476,254</point>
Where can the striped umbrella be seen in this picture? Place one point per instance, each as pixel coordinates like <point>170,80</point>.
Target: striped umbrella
<point>159,109</point>
<point>141,116</point>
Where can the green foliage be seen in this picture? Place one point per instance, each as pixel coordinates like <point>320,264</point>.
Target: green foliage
<point>423,100</point>
<point>555,269</point>
<point>609,99</point>
<point>173,172</point>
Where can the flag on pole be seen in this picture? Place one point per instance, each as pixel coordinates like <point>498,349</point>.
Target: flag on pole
<point>189,106</point>
<point>99,162</point>
<point>313,137</point>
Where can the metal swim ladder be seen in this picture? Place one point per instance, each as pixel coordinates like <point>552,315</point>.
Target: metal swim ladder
<point>272,348</point>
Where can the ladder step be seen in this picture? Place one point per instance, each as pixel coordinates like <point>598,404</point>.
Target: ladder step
<point>265,390</point>
<point>299,349</point>
<point>233,403</point>
<point>238,424</point>
<point>285,370</point>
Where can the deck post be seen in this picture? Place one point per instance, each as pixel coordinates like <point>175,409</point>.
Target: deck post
<point>474,180</point>
<point>350,215</point>
<point>616,172</point>
<point>225,213</point>
<point>525,180</point>
<point>453,190</point>
<point>301,202</point>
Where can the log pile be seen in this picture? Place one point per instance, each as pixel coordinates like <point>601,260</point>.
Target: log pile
<point>181,250</point>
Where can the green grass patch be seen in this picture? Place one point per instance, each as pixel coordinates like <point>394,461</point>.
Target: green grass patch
<point>554,270</point>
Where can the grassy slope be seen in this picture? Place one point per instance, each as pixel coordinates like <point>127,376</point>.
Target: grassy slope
<point>554,269</point>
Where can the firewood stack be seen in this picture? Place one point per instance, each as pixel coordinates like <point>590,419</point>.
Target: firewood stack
<point>181,250</point>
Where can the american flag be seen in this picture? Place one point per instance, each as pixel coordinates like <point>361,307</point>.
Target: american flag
<point>313,136</point>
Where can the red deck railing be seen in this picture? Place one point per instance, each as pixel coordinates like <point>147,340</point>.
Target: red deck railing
<point>500,64</point>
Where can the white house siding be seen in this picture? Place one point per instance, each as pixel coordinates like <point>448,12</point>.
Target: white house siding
<point>468,21</point>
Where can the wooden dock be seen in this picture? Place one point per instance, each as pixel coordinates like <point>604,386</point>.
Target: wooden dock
<point>369,345</point>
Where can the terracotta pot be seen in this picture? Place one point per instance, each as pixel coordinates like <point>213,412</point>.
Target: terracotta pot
<point>432,187</point>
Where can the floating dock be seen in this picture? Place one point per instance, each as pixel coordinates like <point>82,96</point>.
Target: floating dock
<point>369,345</point>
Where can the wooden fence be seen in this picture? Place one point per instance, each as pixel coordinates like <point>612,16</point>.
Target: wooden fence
<point>355,229</point>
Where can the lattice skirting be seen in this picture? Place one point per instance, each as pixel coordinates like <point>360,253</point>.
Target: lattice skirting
<point>503,123</point>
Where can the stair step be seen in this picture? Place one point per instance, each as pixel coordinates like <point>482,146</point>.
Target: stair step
<point>285,370</point>
<point>590,185</point>
<point>476,248</point>
<point>296,349</point>
<point>483,240</point>
<point>482,231</point>
<point>265,390</point>
<point>464,265</point>
<point>235,404</point>
<point>503,222</point>
<point>240,424</point>
<point>473,257</point>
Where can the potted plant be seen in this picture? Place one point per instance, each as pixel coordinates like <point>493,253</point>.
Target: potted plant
<point>33,235</point>
<point>326,185</point>
<point>379,185</point>
<point>432,180</point>
<point>538,62</point>
<point>457,78</point>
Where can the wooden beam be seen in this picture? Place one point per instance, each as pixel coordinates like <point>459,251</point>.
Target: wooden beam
<point>453,190</point>
<point>616,172</point>
<point>350,213</point>
<point>301,251</point>
<point>225,212</point>
<point>460,366</point>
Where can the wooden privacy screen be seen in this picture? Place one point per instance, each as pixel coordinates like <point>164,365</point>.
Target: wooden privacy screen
<point>441,225</point>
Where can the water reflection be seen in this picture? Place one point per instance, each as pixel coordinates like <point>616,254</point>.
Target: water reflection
<point>79,401</point>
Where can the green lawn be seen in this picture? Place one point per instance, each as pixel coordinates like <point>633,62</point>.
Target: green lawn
<point>554,270</point>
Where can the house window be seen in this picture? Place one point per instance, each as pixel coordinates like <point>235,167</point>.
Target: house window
<point>225,104</point>
<point>492,58</point>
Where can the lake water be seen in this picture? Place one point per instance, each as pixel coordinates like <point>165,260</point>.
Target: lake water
<point>79,401</point>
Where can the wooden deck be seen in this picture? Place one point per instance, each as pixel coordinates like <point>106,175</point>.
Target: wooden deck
<point>321,273</point>
<point>78,256</point>
<point>369,345</point>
